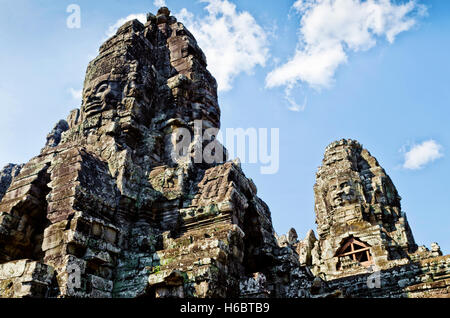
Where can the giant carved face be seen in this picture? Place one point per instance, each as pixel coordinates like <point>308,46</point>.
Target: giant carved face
<point>341,192</point>
<point>100,96</point>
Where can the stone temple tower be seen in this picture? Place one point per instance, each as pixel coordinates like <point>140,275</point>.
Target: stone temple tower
<point>359,219</point>
<point>111,208</point>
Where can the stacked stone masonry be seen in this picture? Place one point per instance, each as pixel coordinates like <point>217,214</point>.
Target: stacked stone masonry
<point>106,211</point>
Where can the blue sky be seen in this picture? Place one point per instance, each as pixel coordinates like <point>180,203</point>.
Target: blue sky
<point>378,75</point>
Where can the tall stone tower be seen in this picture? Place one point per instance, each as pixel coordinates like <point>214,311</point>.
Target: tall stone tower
<point>111,207</point>
<point>358,213</point>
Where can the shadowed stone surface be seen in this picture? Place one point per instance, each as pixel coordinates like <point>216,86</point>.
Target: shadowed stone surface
<point>107,210</point>
<point>6,175</point>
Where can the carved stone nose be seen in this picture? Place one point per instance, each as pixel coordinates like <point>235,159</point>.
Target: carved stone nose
<point>107,95</point>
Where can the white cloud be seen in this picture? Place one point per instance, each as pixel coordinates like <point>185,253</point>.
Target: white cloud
<point>293,105</point>
<point>232,41</point>
<point>142,17</point>
<point>422,154</point>
<point>159,3</point>
<point>329,29</point>
<point>76,93</point>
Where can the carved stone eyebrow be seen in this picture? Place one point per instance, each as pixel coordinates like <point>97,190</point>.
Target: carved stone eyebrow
<point>101,84</point>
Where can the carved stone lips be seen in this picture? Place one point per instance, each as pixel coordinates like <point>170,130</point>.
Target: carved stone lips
<point>92,106</point>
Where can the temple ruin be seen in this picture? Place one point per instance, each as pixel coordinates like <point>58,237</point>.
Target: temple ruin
<point>107,211</point>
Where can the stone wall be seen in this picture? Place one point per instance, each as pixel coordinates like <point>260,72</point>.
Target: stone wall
<point>26,278</point>
<point>421,279</point>
<point>6,175</point>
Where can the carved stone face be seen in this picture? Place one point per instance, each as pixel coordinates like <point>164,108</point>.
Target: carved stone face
<point>341,192</point>
<point>100,97</point>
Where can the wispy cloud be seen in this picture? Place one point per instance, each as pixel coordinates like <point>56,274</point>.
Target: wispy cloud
<point>232,41</point>
<point>422,154</point>
<point>142,17</point>
<point>293,105</point>
<point>159,3</point>
<point>76,93</point>
<point>329,29</point>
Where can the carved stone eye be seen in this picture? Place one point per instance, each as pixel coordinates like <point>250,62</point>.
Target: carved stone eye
<point>102,88</point>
